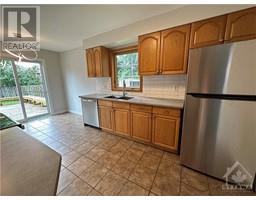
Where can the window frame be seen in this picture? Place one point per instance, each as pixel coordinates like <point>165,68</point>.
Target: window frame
<point>114,53</point>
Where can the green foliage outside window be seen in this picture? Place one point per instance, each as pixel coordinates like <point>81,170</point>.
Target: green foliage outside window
<point>127,69</point>
<point>27,76</point>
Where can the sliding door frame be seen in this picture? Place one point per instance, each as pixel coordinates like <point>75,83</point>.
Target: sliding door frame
<point>45,89</point>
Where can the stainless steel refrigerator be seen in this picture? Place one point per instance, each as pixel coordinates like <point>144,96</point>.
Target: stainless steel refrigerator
<point>219,124</point>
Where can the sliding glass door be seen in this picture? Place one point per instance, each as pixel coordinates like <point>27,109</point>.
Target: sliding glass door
<point>23,90</point>
<point>10,103</point>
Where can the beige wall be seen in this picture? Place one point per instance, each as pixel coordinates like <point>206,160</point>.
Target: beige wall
<point>51,61</point>
<point>76,79</point>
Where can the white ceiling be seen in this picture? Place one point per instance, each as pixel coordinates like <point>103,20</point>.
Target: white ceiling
<point>63,27</point>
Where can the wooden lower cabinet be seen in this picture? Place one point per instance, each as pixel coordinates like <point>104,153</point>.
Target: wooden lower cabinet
<point>122,121</point>
<point>106,118</point>
<point>141,126</point>
<point>165,131</point>
<point>157,126</point>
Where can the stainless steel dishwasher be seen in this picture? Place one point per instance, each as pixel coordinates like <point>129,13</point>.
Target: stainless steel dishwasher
<point>90,112</point>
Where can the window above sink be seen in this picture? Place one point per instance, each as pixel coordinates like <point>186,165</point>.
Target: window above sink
<point>125,67</point>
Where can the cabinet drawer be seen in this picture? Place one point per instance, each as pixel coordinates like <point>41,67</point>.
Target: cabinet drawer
<point>166,111</point>
<point>105,103</point>
<point>121,105</point>
<point>141,108</point>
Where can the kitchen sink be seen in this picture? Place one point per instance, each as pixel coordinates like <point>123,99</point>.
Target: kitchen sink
<point>125,98</point>
<point>118,97</point>
<point>111,97</point>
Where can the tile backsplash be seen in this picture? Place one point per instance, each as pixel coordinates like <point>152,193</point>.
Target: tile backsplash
<point>161,86</point>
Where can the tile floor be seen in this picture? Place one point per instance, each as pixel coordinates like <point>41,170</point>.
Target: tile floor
<point>98,163</point>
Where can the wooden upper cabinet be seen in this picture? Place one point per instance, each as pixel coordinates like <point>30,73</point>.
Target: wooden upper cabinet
<point>98,62</point>
<point>208,32</point>
<point>149,53</point>
<point>90,63</point>
<point>241,25</point>
<point>174,50</point>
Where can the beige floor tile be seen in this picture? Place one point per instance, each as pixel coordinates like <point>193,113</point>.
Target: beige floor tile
<point>154,151</point>
<point>169,169</point>
<point>194,179</point>
<point>94,193</point>
<point>186,190</point>
<point>133,155</point>
<point>76,188</point>
<point>165,185</point>
<point>107,144</point>
<point>131,189</point>
<point>150,161</point>
<point>69,158</point>
<point>66,177</point>
<point>139,146</point>
<point>111,184</point>
<point>124,167</point>
<point>80,165</point>
<point>93,174</point>
<point>171,157</point>
<point>95,153</point>
<point>108,160</point>
<point>143,176</point>
<point>152,194</point>
<point>125,143</point>
<point>83,148</point>
<point>118,149</point>
<point>63,150</point>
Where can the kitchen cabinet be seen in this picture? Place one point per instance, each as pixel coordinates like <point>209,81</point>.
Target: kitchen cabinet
<point>165,130</point>
<point>153,125</point>
<point>98,62</point>
<point>149,53</point>
<point>241,25</point>
<point>106,115</point>
<point>141,122</point>
<point>121,114</point>
<point>90,63</point>
<point>174,50</point>
<point>208,32</point>
<point>164,52</point>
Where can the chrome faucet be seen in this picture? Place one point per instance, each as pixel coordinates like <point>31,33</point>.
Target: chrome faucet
<point>124,89</point>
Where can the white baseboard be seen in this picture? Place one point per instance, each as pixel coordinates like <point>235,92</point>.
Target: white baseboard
<point>74,112</point>
<point>59,112</point>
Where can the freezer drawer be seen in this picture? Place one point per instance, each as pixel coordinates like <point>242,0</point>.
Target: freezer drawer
<point>223,69</point>
<point>217,133</point>
<point>90,112</point>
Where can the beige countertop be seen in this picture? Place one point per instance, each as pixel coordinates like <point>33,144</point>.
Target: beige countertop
<point>175,103</point>
<point>28,167</point>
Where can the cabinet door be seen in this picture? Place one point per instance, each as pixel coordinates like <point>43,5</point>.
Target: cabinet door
<point>90,63</point>
<point>141,126</point>
<point>208,32</point>
<point>241,25</point>
<point>174,50</point>
<point>166,131</point>
<point>149,53</point>
<point>122,122</point>
<point>106,118</point>
<point>97,61</point>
